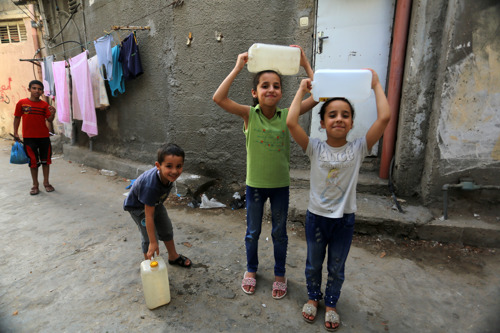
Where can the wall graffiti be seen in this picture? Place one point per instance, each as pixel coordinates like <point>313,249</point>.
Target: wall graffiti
<point>3,95</point>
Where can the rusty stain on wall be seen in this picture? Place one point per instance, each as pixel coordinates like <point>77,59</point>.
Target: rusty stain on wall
<point>495,154</point>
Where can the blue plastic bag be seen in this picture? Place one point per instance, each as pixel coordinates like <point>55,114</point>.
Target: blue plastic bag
<point>17,154</point>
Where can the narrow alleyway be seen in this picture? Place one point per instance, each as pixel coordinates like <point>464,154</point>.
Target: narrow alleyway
<point>70,263</point>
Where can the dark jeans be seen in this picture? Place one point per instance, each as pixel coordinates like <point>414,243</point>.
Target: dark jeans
<point>336,235</point>
<point>255,198</point>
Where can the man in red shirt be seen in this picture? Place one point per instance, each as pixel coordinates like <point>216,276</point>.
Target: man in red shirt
<point>33,111</point>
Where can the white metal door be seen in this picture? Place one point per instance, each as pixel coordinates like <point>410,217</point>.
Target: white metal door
<point>353,34</point>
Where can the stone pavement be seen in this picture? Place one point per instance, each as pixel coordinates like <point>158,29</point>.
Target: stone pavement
<point>70,263</point>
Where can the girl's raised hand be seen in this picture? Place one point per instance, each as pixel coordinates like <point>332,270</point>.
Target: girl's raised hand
<point>305,85</point>
<point>242,60</point>
<point>375,79</point>
<point>303,59</point>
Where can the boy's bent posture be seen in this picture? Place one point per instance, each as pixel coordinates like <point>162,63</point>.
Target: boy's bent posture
<point>145,204</point>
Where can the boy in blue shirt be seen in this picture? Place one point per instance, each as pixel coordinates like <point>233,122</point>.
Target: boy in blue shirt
<point>145,204</point>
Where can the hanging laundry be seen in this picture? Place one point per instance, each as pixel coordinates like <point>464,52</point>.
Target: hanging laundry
<point>101,100</point>
<point>117,83</point>
<point>82,90</point>
<point>75,104</point>
<point>62,91</point>
<point>104,54</point>
<point>67,128</point>
<point>46,88</point>
<point>130,58</point>
<point>49,77</point>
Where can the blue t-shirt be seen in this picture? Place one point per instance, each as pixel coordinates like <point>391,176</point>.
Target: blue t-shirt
<point>117,82</point>
<point>147,190</point>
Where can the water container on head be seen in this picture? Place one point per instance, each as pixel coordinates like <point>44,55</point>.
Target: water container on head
<point>353,84</point>
<point>283,59</point>
<point>155,284</point>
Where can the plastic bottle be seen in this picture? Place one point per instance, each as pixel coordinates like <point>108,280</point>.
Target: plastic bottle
<point>353,84</point>
<point>155,284</point>
<point>105,172</point>
<point>283,59</point>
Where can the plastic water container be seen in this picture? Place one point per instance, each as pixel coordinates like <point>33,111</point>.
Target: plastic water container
<point>154,278</point>
<point>352,84</point>
<point>283,59</point>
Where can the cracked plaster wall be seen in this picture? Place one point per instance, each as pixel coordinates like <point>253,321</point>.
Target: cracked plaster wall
<point>451,99</point>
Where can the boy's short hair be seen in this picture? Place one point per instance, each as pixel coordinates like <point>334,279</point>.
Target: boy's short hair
<point>35,82</point>
<point>169,149</point>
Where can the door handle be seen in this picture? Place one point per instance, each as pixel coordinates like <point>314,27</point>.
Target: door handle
<point>320,41</point>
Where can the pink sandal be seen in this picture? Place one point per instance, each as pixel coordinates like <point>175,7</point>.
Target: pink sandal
<point>280,286</point>
<point>248,282</point>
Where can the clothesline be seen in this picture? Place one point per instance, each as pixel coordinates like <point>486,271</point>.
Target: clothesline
<point>86,45</point>
<point>85,78</point>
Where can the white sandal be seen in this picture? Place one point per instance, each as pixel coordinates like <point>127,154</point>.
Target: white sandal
<point>309,310</point>
<point>333,318</point>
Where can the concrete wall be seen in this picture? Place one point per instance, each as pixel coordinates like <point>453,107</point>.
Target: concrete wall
<point>14,74</point>
<point>449,117</point>
<point>171,101</point>
<point>448,123</point>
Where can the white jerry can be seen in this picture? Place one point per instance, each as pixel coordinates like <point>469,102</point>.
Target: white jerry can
<point>353,84</point>
<point>155,284</point>
<point>283,59</point>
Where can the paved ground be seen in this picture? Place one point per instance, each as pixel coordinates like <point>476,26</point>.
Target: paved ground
<point>70,263</point>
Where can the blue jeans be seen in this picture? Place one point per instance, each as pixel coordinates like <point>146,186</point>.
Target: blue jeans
<point>336,235</point>
<point>255,199</point>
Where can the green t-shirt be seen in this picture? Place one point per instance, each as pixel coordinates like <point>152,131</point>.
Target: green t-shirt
<point>268,149</point>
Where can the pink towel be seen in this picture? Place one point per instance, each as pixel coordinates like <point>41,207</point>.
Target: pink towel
<point>62,91</point>
<point>82,90</point>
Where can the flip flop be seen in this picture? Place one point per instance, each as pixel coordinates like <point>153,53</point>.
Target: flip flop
<point>49,188</point>
<point>248,282</point>
<point>180,261</point>
<point>34,190</point>
<point>280,286</point>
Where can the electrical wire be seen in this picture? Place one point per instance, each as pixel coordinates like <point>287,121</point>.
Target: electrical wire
<point>22,10</point>
<point>69,19</point>
<point>30,12</point>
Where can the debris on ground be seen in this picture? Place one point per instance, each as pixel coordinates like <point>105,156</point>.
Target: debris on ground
<point>212,203</point>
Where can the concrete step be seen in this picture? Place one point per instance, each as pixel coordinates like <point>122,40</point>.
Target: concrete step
<point>377,214</point>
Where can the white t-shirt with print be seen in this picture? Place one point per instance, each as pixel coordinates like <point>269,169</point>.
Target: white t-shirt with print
<point>334,175</point>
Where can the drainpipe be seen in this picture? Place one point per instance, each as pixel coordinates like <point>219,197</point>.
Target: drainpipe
<point>34,35</point>
<point>398,53</point>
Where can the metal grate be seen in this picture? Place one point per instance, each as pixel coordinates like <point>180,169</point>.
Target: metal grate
<point>12,32</point>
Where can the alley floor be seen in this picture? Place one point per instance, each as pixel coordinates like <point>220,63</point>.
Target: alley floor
<point>70,263</point>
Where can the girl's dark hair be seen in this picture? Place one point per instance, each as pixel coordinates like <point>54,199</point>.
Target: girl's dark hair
<point>169,149</point>
<point>343,99</point>
<point>35,82</point>
<point>256,80</point>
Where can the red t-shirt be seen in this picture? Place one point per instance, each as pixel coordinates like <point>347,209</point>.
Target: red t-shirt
<point>33,115</point>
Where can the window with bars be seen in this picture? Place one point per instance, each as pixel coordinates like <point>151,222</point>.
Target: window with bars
<point>12,32</point>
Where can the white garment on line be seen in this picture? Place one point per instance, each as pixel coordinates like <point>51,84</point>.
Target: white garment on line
<point>101,100</point>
